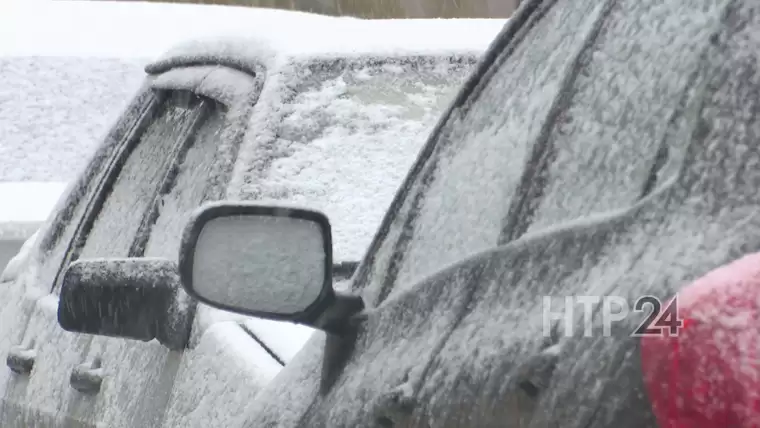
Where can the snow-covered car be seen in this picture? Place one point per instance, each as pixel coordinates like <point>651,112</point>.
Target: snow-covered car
<point>602,152</point>
<point>68,69</point>
<point>331,115</point>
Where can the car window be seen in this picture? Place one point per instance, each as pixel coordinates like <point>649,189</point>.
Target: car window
<point>140,177</point>
<point>62,226</point>
<point>192,187</point>
<point>457,202</point>
<point>168,174</point>
<point>348,136</point>
<point>508,159</point>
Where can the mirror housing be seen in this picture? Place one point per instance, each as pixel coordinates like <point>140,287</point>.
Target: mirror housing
<point>133,298</point>
<point>266,261</point>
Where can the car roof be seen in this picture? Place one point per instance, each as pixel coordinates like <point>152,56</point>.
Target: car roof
<point>329,38</point>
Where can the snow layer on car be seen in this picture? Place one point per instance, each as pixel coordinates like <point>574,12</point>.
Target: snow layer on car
<point>344,145</point>
<point>54,111</point>
<point>62,87</point>
<point>339,139</point>
<point>291,336</point>
<point>352,167</point>
<point>692,69</point>
<point>264,45</point>
<point>218,376</point>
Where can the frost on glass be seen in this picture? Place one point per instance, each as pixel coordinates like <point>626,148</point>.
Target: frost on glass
<point>704,215</point>
<point>347,138</point>
<point>190,190</point>
<point>58,231</point>
<point>120,217</point>
<point>258,263</point>
<point>457,204</point>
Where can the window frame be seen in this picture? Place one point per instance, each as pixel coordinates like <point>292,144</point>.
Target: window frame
<point>111,155</point>
<point>489,64</point>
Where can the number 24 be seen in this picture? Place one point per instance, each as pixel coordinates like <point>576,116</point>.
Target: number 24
<point>658,319</point>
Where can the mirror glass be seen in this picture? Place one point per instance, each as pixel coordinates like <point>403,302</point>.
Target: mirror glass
<point>260,263</point>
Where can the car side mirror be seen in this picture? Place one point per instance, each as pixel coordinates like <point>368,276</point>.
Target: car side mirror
<point>134,298</point>
<point>265,261</point>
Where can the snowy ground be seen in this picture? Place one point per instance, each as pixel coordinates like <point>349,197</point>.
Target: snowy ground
<point>54,110</point>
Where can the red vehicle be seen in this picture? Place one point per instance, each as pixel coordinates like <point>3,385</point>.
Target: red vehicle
<point>708,375</point>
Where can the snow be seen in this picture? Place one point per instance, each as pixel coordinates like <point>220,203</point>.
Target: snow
<point>63,88</point>
<point>54,111</point>
<point>327,39</point>
<point>561,102</point>
<point>226,85</point>
<point>14,257</point>
<point>129,29</point>
<point>222,373</point>
<point>283,338</point>
<point>344,143</point>
<point>276,265</point>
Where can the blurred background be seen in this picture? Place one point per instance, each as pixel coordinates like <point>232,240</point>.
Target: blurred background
<point>379,9</point>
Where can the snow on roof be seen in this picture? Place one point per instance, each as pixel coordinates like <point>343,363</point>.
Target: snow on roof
<point>127,29</point>
<point>341,38</point>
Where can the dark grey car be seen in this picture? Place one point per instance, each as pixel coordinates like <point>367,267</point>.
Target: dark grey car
<point>603,148</point>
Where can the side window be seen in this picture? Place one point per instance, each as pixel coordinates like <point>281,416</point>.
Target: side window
<point>192,187</point>
<point>541,141</point>
<point>457,202</point>
<point>63,225</point>
<point>137,184</point>
<point>168,173</point>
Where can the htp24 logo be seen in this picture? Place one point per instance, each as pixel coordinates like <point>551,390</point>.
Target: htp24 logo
<point>661,319</point>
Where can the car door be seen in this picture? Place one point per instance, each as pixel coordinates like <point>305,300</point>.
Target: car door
<point>137,377</point>
<point>48,396</point>
<point>178,159</point>
<point>32,278</point>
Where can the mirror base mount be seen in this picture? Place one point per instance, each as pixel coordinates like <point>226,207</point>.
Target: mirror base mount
<point>335,318</point>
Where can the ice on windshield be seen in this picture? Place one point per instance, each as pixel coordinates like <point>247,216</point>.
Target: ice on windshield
<point>349,140</point>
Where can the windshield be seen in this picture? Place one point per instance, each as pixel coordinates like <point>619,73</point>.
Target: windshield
<point>349,135</point>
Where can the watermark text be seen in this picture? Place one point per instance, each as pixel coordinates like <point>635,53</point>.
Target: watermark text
<point>661,318</point>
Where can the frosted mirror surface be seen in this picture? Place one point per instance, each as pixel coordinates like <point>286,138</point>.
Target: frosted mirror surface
<point>260,263</point>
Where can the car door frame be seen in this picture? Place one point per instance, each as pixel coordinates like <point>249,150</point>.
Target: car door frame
<point>207,81</point>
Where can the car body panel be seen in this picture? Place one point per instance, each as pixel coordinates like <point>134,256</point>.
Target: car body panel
<point>661,91</point>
